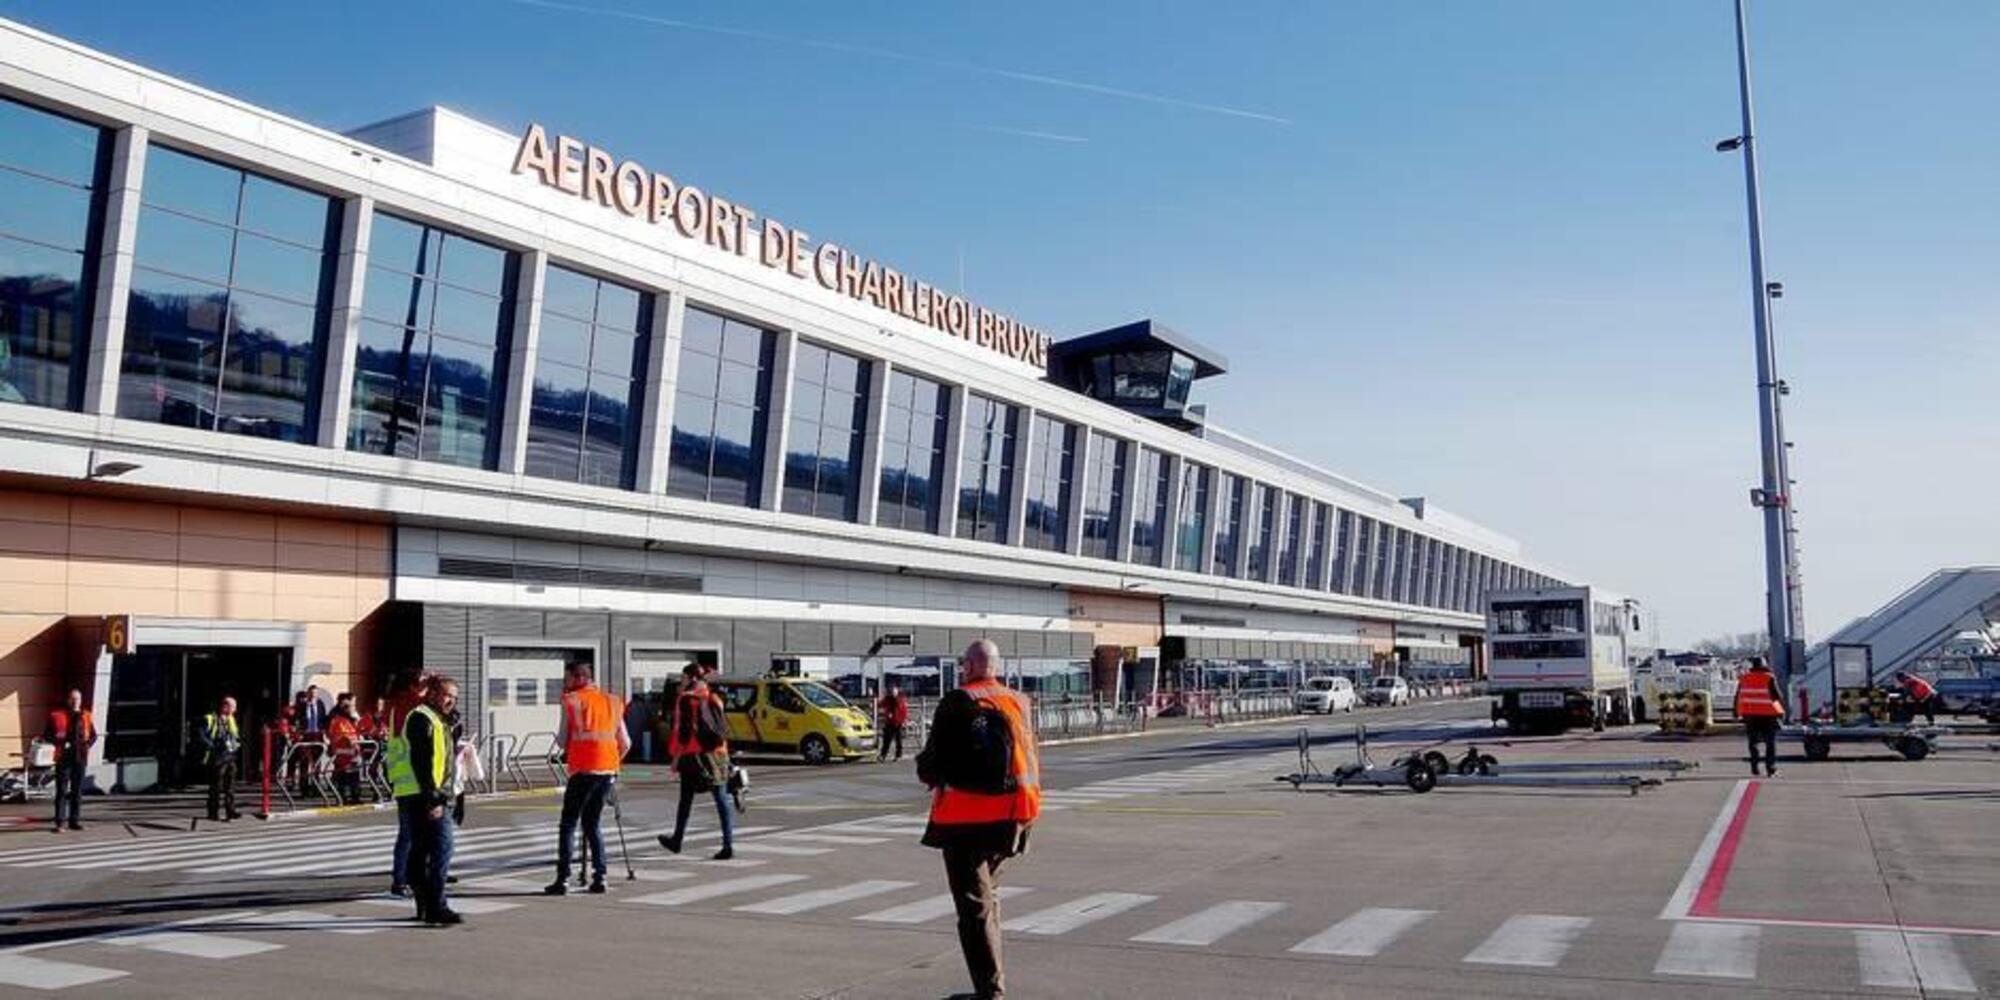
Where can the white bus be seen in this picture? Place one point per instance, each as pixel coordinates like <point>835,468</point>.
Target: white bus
<point>1557,657</point>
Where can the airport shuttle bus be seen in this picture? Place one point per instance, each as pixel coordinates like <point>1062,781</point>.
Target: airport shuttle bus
<point>1557,658</point>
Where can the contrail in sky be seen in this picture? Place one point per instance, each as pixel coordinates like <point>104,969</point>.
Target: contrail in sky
<point>1028,133</point>
<point>907,57</point>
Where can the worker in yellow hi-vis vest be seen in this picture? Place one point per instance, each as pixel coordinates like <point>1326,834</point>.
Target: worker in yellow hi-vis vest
<point>420,767</point>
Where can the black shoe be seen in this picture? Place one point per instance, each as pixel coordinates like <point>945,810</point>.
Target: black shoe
<point>1770,772</point>
<point>597,886</point>
<point>559,887</point>
<point>400,891</point>
<point>233,814</point>
<point>451,880</point>
<point>56,828</point>
<point>725,854</point>
<point>215,817</point>
<point>444,918</point>
<point>74,825</point>
<point>672,844</point>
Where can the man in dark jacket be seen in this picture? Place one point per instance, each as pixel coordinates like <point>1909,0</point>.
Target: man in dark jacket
<point>420,771</point>
<point>698,742</point>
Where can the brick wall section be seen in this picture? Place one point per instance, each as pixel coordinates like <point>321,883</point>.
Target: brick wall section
<point>66,560</point>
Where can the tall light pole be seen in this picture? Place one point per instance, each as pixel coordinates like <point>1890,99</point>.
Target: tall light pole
<point>1771,498</point>
<point>1795,601</point>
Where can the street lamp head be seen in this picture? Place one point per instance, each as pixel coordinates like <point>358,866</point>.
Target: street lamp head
<point>1775,289</point>
<point>1729,145</point>
<point>111,470</point>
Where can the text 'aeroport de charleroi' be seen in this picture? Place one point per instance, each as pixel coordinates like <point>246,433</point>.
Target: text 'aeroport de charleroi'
<point>631,189</point>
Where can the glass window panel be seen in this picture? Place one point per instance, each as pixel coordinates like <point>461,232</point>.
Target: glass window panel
<point>472,265</point>
<point>740,384</point>
<point>555,421</point>
<point>701,332</point>
<point>903,390</point>
<point>388,387</point>
<point>609,437</point>
<point>268,367</point>
<point>173,351</point>
<point>457,399</point>
<point>808,401</point>
<point>809,364</point>
<point>570,294</point>
<point>47,144</point>
<point>394,297</point>
<point>40,321</point>
<point>187,184</point>
<point>744,344</point>
<point>619,307</point>
<point>467,315</point>
<point>44,211</point>
<point>614,352</point>
<point>184,246</point>
<point>286,212</point>
<point>563,341</point>
<point>401,245</point>
<point>278,269</point>
<point>843,370</point>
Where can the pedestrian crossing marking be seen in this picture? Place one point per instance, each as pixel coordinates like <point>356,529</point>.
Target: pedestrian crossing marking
<point>1211,925</point>
<point>1724,951</point>
<point>193,944</point>
<point>829,838</point>
<point>934,908</point>
<point>1066,917</point>
<point>312,920</point>
<point>820,898</point>
<point>1902,960</point>
<point>1536,940</point>
<point>1365,934</point>
<point>782,850</point>
<point>726,887</point>
<point>33,973</point>
<point>469,905</point>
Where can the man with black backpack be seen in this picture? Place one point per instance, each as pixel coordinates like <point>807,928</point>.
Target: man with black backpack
<point>984,773</point>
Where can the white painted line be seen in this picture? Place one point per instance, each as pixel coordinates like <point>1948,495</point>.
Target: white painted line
<point>1885,959</point>
<point>1926,962</point>
<point>820,898</point>
<point>726,887</point>
<point>1364,934</point>
<point>310,920</point>
<point>1938,965</point>
<point>1682,900</point>
<point>698,859</point>
<point>1531,940</point>
<point>502,883</point>
<point>194,944</point>
<point>926,910</point>
<point>132,854</point>
<point>471,905</point>
<point>1211,925</point>
<point>782,850</point>
<point>648,875</point>
<point>1717,950</point>
<point>33,973</point>
<point>693,836</point>
<point>825,838</point>
<point>1066,917</point>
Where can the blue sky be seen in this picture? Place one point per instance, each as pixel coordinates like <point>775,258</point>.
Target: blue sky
<point>1472,250</point>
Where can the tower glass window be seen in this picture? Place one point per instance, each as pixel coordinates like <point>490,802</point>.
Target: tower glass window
<point>589,364</point>
<point>1288,550</point>
<point>913,446</point>
<point>1228,535</point>
<point>1262,533</point>
<point>829,407</point>
<point>986,468</point>
<point>1193,528</point>
<point>722,397</point>
<point>1150,488</point>
<point>1344,577</point>
<point>1103,496</point>
<point>1315,575</point>
<point>430,368</point>
<point>51,183</point>
<point>225,324</point>
<point>1385,563</point>
<point>1051,459</point>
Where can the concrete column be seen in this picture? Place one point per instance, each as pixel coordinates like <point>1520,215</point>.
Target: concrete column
<point>777,420</point>
<point>869,497</point>
<point>1326,518</point>
<point>1079,481</point>
<point>954,451</point>
<point>343,329</point>
<point>120,236</point>
<point>1017,494</point>
<point>522,349</point>
<point>1171,538</point>
<point>1128,492</point>
<point>656,414</point>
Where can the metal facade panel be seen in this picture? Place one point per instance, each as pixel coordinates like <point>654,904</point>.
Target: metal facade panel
<point>808,637</point>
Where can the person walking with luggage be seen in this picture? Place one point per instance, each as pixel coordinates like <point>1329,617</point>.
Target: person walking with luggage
<point>698,743</point>
<point>592,735</point>
<point>892,713</point>
<point>984,772</point>
<point>1759,704</point>
<point>71,732</point>
<point>221,742</point>
<point>420,773</point>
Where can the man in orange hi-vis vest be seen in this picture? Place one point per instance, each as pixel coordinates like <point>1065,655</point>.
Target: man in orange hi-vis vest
<point>984,773</point>
<point>594,741</point>
<point>1759,704</point>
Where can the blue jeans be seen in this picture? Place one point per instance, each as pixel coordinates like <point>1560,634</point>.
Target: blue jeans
<point>721,811</point>
<point>399,863</point>
<point>583,798</point>
<point>430,853</point>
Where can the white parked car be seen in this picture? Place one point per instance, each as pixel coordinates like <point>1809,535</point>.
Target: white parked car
<point>1391,691</point>
<point>1326,695</point>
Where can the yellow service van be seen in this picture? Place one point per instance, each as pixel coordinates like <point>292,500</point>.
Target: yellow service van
<point>793,715</point>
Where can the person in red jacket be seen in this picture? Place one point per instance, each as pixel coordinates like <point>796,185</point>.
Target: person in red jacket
<point>71,731</point>
<point>1923,695</point>
<point>1759,704</point>
<point>892,713</point>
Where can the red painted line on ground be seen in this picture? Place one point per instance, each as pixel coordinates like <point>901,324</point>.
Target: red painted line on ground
<point>1712,884</point>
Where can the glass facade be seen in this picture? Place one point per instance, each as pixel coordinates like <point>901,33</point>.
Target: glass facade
<point>589,365</point>
<point>1103,496</point>
<point>1384,566</point>
<point>51,171</point>
<point>1150,492</point>
<point>1343,555</point>
<point>1315,574</point>
<point>913,446</point>
<point>1262,533</point>
<point>1193,527</point>
<point>1051,461</point>
<point>429,373</point>
<point>1294,536</point>
<point>986,468</point>
<point>224,324</point>
<point>722,398</point>
<point>1404,568</point>
<point>1229,534</point>
<point>823,443</point>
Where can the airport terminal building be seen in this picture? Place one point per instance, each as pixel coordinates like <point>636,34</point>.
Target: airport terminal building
<point>281,405</point>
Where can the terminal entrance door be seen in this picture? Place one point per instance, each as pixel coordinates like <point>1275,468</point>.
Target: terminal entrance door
<point>161,694</point>
<point>652,679</point>
<point>524,686</point>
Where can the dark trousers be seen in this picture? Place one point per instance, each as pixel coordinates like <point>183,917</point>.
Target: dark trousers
<point>399,858</point>
<point>973,876</point>
<point>1928,706</point>
<point>69,789</point>
<point>688,792</point>
<point>891,733</point>
<point>1762,731</point>
<point>583,798</point>
<point>222,787</point>
<point>430,853</point>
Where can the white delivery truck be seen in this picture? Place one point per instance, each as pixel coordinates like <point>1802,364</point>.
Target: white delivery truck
<point>1556,657</point>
